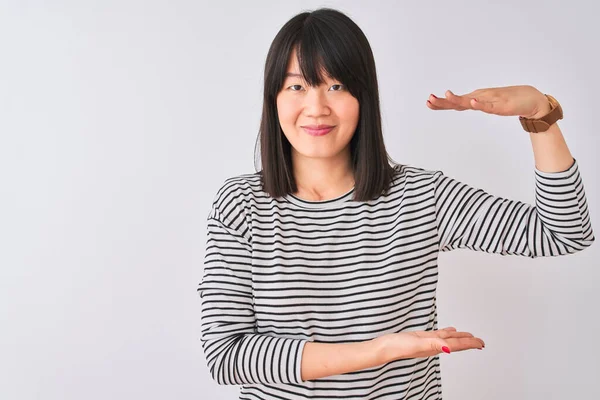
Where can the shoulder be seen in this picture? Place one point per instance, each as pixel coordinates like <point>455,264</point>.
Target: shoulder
<point>234,195</point>
<point>237,187</point>
<point>406,173</point>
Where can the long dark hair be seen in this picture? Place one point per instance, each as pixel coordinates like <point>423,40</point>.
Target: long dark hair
<point>325,40</point>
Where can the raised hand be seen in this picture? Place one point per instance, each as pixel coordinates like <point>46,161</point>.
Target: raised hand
<point>523,100</point>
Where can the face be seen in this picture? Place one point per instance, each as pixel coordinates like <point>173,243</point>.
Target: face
<point>300,106</point>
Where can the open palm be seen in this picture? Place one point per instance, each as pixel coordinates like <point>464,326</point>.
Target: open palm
<point>416,344</point>
<point>522,100</point>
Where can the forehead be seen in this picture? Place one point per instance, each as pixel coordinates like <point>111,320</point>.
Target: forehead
<point>293,68</point>
<point>293,65</point>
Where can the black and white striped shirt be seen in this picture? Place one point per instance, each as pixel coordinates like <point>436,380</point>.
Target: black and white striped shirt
<point>281,272</point>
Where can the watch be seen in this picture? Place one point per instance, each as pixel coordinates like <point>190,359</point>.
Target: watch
<point>543,124</point>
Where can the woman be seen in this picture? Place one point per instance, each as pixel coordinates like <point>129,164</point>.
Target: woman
<point>321,269</point>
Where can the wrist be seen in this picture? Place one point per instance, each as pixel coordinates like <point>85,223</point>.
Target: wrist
<point>541,110</point>
<point>381,349</point>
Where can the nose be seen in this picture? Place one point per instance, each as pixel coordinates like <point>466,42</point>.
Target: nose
<point>316,102</point>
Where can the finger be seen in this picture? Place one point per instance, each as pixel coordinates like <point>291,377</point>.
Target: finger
<point>463,102</point>
<point>489,107</point>
<point>443,334</point>
<point>438,103</point>
<point>434,107</point>
<point>446,334</point>
<point>439,346</point>
<point>449,328</point>
<point>460,344</point>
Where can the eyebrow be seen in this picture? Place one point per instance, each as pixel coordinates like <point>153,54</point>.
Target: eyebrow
<point>293,75</point>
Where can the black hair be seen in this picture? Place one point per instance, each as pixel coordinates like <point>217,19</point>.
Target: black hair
<point>326,41</point>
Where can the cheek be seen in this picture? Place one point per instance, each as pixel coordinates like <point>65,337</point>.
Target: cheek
<point>353,109</point>
<point>349,111</point>
<point>285,112</point>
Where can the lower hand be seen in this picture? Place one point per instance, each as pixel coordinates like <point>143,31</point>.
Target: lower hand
<point>417,344</point>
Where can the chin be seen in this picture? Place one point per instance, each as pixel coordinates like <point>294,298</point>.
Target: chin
<point>318,153</point>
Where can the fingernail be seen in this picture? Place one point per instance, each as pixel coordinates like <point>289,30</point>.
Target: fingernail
<point>434,96</point>
<point>445,349</point>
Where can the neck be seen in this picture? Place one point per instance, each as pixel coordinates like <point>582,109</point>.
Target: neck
<point>323,178</point>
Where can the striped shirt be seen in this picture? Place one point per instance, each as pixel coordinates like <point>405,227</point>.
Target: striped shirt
<point>281,272</point>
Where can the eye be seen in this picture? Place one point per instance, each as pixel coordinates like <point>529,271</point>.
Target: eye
<point>341,87</point>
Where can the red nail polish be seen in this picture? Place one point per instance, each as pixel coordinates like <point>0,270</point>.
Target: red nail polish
<point>434,96</point>
<point>446,349</point>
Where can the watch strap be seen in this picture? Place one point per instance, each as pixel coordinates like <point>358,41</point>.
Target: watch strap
<point>543,124</point>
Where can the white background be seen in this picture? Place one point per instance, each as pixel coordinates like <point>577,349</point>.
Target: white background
<point>119,120</point>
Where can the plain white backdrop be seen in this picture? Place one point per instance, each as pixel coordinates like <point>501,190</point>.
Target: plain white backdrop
<point>119,120</point>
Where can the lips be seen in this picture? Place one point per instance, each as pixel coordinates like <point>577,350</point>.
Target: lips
<point>322,126</point>
<point>317,130</point>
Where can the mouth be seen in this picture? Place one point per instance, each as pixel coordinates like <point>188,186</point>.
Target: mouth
<point>317,130</point>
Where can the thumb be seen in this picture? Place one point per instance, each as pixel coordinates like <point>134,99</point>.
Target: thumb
<point>440,345</point>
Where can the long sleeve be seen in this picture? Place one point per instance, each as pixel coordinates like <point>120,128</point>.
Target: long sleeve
<point>558,224</point>
<point>234,352</point>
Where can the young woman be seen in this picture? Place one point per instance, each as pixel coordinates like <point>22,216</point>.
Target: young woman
<point>321,269</point>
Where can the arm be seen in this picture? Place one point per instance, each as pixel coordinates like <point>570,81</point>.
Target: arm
<point>550,149</point>
<point>559,223</point>
<point>235,353</point>
<point>325,359</point>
